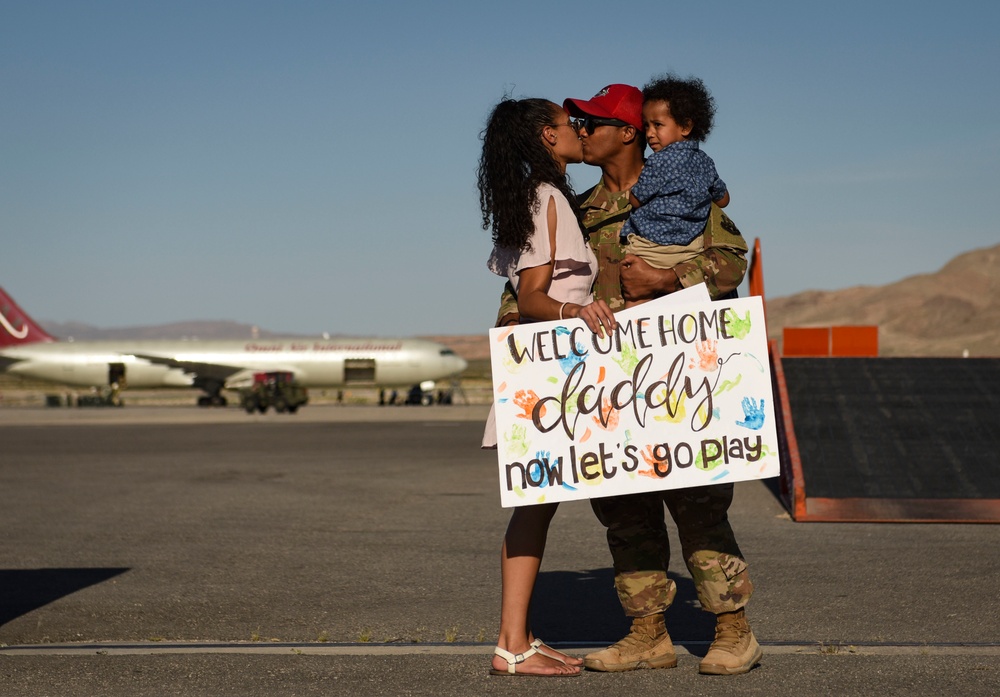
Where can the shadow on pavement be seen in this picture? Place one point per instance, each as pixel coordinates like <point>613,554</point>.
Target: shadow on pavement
<point>773,485</point>
<point>24,590</point>
<point>582,607</point>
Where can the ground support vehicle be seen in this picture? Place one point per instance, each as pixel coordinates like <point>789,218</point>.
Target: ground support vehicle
<point>278,390</point>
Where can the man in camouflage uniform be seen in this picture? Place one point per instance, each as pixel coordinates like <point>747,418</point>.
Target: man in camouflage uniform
<point>637,535</point>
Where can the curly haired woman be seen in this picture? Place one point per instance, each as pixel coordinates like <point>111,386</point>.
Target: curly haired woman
<point>538,245</point>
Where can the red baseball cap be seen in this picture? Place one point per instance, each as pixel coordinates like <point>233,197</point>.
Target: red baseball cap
<point>622,102</point>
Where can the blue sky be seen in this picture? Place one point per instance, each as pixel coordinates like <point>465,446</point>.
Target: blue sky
<point>310,166</point>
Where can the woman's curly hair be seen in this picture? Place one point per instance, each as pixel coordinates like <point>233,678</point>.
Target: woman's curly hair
<point>514,162</point>
<point>689,100</point>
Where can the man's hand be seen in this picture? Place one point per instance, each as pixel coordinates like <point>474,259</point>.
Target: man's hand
<point>640,281</point>
<point>510,319</point>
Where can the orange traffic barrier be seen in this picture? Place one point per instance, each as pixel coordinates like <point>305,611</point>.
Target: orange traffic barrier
<point>756,274</point>
<point>854,341</point>
<point>805,341</point>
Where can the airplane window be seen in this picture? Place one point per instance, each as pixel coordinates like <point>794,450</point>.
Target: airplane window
<point>447,352</point>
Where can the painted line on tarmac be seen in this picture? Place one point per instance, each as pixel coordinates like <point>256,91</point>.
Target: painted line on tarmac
<point>192,415</point>
<point>317,649</point>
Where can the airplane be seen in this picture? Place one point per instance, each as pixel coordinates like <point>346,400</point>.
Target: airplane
<point>29,351</point>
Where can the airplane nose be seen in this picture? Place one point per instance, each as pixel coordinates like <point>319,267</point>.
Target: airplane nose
<point>460,364</point>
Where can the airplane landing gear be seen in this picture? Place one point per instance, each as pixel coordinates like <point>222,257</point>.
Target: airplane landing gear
<point>213,394</point>
<point>212,401</point>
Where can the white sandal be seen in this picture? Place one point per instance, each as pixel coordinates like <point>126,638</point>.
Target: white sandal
<point>514,659</point>
<point>544,649</point>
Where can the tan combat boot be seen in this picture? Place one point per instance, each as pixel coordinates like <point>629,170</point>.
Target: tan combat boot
<point>647,645</point>
<point>735,649</point>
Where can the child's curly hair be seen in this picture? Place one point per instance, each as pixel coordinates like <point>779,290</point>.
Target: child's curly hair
<point>689,101</point>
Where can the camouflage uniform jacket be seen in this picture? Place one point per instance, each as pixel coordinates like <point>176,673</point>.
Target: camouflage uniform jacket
<point>721,266</point>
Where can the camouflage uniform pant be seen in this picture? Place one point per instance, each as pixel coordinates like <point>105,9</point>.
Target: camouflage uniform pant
<point>637,537</point>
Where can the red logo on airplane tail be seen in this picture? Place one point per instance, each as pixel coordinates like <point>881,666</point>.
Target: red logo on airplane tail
<point>16,327</point>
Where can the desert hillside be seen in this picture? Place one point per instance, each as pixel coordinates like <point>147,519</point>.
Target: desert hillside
<point>936,314</point>
<point>945,313</point>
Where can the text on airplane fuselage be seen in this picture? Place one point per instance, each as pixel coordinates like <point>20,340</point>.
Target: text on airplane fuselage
<point>304,347</point>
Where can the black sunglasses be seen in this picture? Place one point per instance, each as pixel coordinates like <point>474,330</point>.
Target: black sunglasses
<point>591,122</point>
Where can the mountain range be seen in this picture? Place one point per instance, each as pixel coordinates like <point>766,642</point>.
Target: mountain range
<point>946,313</point>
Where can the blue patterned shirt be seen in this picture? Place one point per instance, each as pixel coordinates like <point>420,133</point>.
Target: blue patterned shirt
<point>676,189</point>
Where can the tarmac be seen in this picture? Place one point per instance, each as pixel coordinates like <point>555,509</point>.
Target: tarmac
<point>352,550</point>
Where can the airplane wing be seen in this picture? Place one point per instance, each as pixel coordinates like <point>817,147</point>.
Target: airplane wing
<point>213,372</point>
<point>232,376</point>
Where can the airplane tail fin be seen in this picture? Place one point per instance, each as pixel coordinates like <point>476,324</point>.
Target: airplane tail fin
<point>16,327</point>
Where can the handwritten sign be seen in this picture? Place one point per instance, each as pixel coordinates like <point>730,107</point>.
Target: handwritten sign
<point>679,395</point>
